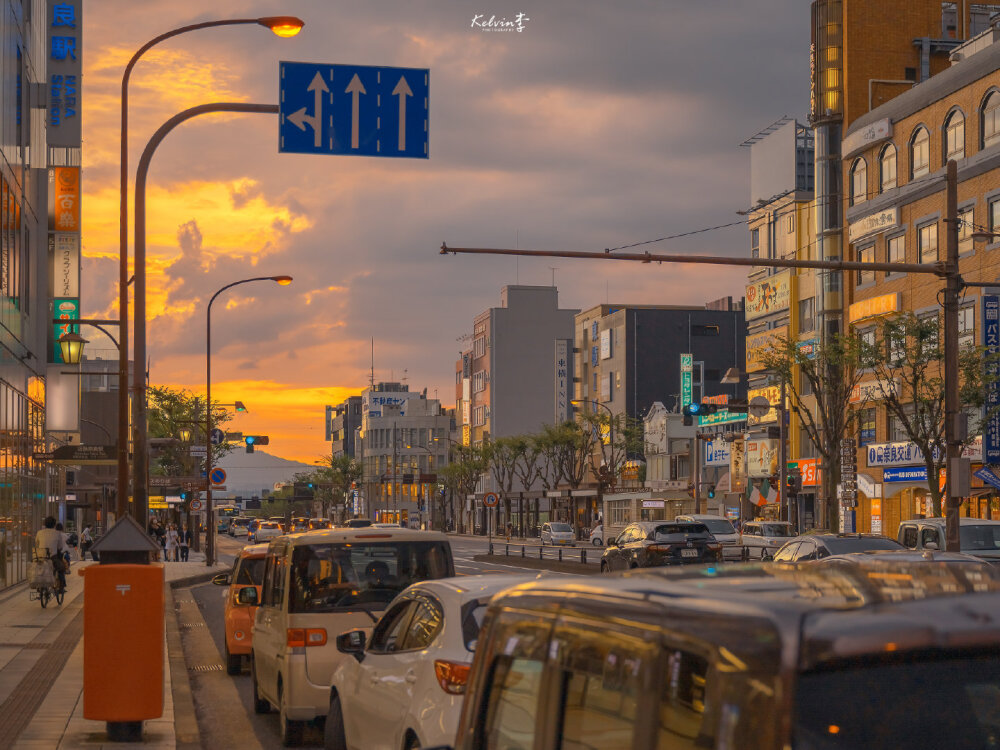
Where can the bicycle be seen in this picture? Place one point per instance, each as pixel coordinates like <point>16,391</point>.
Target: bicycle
<point>43,583</point>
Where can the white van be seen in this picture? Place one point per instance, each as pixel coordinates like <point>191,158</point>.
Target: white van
<point>316,586</point>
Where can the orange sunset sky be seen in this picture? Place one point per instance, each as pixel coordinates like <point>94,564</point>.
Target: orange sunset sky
<point>598,125</point>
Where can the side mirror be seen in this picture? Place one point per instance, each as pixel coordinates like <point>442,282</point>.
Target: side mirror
<point>247,595</point>
<point>352,642</point>
<point>223,579</point>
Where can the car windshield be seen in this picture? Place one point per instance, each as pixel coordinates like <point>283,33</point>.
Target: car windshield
<point>776,529</point>
<point>843,545</point>
<point>719,526</point>
<point>562,528</point>
<point>241,521</point>
<point>669,532</point>
<point>979,538</point>
<point>337,577</point>
<point>835,709</point>
<point>251,572</point>
<point>269,526</point>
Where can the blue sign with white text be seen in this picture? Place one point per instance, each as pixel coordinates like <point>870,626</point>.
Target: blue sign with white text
<point>991,341</point>
<point>988,476</point>
<point>914,474</point>
<point>357,110</point>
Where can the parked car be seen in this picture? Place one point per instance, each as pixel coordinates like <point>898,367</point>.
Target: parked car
<point>238,525</point>
<point>763,538</point>
<point>976,536</point>
<point>872,559</point>
<point>555,532</point>
<point>319,584</point>
<point>405,684</point>
<point>810,547</point>
<point>244,582</point>
<point>266,530</point>
<point>647,544</point>
<point>742,656</point>
<point>597,535</point>
<point>357,523</point>
<point>380,525</point>
<point>723,531</point>
<point>320,523</point>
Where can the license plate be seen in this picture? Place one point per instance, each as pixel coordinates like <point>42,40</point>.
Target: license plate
<point>689,553</point>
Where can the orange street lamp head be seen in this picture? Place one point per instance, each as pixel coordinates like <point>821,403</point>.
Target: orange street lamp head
<point>71,347</point>
<point>283,26</point>
<point>283,280</point>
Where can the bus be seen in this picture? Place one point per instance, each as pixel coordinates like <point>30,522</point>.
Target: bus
<point>223,515</point>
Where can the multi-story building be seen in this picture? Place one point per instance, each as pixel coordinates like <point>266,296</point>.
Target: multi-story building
<point>894,163</point>
<point>342,422</point>
<point>402,444</point>
<point>506,379</point>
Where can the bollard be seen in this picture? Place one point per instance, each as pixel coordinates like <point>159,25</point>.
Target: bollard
<point>540,550</point>
<point>522,550</point>
<point>583,555</point>
<point>491,548</point>
<point>560,554</point>
<point>506,550</point>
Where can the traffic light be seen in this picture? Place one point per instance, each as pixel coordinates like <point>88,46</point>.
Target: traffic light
<point>253,441</point>
<point>711,492</point>
<point>793,483</point>
<point>696,409</point>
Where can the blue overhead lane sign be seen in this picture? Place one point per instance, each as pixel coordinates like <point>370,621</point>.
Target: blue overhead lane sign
<point>358,110</point>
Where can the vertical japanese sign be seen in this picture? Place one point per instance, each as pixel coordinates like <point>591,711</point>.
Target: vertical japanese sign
<point>64,253</point>
<point>687,379</point>
<point>65,65</point>
<point>991,340</point>
<point>562,384</point>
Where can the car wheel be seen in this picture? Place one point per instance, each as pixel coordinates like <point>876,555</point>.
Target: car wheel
<point>234,663</point>
<point>597,542</point>
<point>604,567</point>
<point>333,733</point>
<point>411,742</point>
<point>634,565</point>
<point>291,731</point>
<point>260,705</point>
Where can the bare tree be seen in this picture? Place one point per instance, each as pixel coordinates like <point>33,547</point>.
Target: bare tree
<point>503,455</point>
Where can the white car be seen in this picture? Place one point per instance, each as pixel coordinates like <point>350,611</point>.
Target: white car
<point>555,532</point>
<point>405,685</point>
<point>763,538</point>
<point>597,535</point>
<point>267,530</point>
<point>723,531</point>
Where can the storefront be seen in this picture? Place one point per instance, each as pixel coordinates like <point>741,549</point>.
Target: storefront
<point>621,509</point>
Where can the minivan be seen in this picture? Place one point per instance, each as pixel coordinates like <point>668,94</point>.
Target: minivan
<point>976,536</point>
<point>756,657</point>
<point>317,585</point>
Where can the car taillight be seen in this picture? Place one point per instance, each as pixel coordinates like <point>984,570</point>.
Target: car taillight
<point>301,637</point>
<point>663,548</point>
<point>452,676</point>
<point>714,546</point>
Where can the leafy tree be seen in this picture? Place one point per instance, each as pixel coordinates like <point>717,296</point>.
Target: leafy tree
<point>621,439</point>
<point>173,409</point>
<point>906,359</point>
<point>503,455</point>
<point>830,375</point>
<point>339,472</point>
<point>462,474</point>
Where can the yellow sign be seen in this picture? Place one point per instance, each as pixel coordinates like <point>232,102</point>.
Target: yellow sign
<point>773,395</point>
<point>158,504</point>
<point>466,434</point>
<point>759,343</point>
<point>873,307</point>
<point>769,295</point>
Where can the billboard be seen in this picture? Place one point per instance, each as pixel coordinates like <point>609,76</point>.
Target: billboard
<point>770,295</point>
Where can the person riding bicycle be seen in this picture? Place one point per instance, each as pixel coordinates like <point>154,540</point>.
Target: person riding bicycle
<point>51,544</point>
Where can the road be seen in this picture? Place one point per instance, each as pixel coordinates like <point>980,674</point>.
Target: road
<point>217,694</point>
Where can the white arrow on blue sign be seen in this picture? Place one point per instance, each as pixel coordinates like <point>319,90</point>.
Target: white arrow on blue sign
<point>358,110</point>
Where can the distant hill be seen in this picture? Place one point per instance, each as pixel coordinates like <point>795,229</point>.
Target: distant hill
<point>249,474</point>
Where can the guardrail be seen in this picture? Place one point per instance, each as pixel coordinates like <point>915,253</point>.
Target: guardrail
<point>523,550</point>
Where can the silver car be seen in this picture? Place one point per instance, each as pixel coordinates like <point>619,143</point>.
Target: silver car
<point>763,538</point>
<point>723,531</point>
<point>555,532</point>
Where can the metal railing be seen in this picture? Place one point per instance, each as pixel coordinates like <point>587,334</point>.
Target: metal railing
<point>538,551</point>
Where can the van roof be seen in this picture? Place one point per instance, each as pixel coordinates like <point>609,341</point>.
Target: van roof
<point>366,533</point>
<point>962,521</point>
<point>254,550</point>
<point>837,611</point>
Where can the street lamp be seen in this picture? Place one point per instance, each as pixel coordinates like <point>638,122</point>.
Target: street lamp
<point>210,529</point>
<point>71,347</point>
<point>281,26</point>
<point>185,434</point>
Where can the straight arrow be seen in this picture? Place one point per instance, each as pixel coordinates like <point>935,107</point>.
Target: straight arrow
<point>402,90</point>
<point>355,88</point>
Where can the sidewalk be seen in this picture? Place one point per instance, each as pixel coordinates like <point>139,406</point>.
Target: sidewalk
<point>41,669</point>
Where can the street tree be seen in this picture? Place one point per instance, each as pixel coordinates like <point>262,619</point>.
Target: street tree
<point>503,455</point>
<point>170,411</point>
<point>905,357</point>
<point>339,473</point>
<point>462,475</point>
<point>829,374</point>
<point>621,439</point>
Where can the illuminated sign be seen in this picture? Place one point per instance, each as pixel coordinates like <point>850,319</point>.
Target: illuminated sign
<point>873,307</point>
<point>768,296</point>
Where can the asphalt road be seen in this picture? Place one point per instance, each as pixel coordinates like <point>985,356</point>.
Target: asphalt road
<point>221,690</point>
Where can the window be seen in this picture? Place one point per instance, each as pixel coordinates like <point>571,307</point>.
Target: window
<point>929,340</point>
<point>512,703</point>
<point>428,618</point>
<point>866,255</point>
<point>388,635</point>
<point>895,340</point>
<point>966,327</point>
<point>704,330</point>
<point>807,315</point>
<point>479,346</point>
<point>790,222</point>
<point>990,118</point>
<point>920,150</point>
<point>966,226</point>
<point>866,426</point>
<point>887,167</point>
<point>897,432</point>
<point>755,243</point>
<point>994,216</point>
<point>859,181</point>
<point>867,337</point>
<point>619,512</point>
<point>954,136</point>
<point>927,243</point>
<point>805,384</point>
<point>910,537</point>
<point>682,703</point>
<point>895,249</point>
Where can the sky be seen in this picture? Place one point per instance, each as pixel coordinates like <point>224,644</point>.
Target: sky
<point>597,125</point>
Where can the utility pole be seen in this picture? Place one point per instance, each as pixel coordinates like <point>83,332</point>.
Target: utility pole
<point>783,452</point>
<point>395,472</point>
<point>696,468</point>
<point>952,291</point>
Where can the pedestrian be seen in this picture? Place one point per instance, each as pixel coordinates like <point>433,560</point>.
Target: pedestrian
<point>184,542</point>
<point>86,542</point>
<point>510,529</point>
<point>171,544</point>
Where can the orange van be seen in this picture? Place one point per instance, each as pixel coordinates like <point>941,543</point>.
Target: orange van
<point>247,574</point>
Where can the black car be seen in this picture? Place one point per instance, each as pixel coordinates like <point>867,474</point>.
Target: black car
<point>648,544</point>
<point>810,547</point>
<point>358,523</point>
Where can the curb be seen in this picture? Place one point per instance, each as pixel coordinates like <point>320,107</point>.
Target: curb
<point>544,564</point>
<point>195,579</point>
<point>186,732</point>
